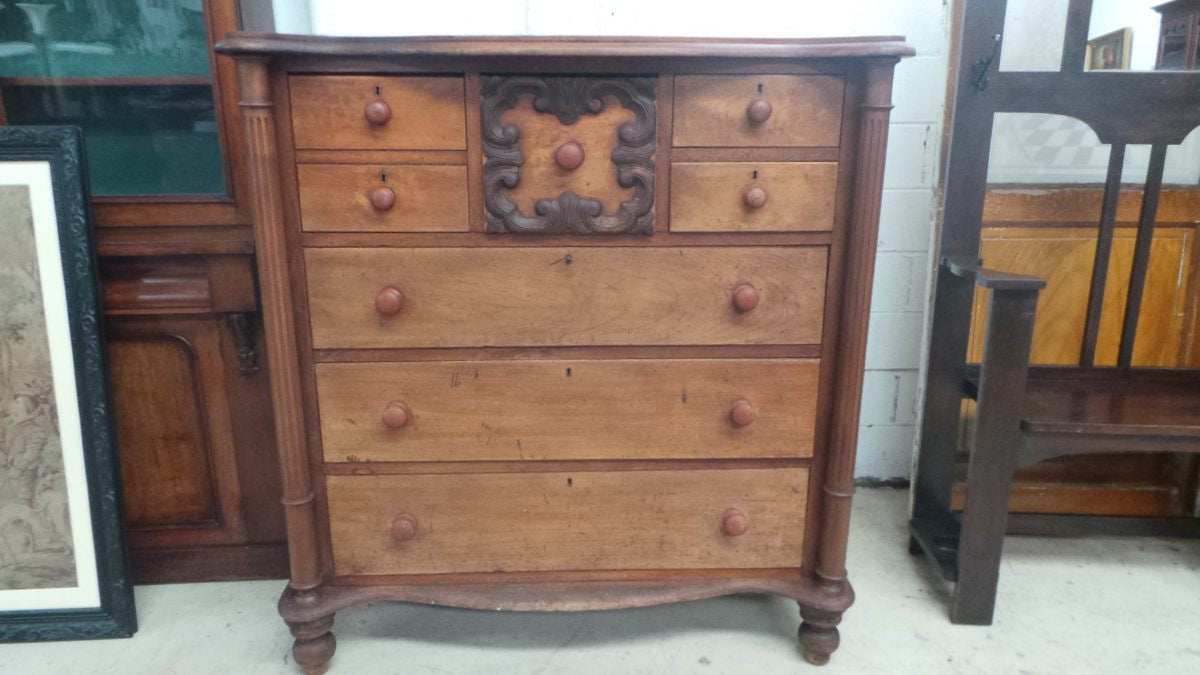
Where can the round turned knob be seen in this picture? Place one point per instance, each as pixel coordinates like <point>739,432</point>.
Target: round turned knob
<point>734,523</point>
<point>569,156</point>
<point>404,527</point>
<point>377,112</point>
<point>758,111</point>
<point>396,415</point>
<point>383,198</point>
<point>754,197</point>
<point>742,414</point>
<point>745,298</point>
<point>389,301</point>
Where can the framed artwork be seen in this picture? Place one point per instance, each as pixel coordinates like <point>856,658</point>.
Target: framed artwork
<point>1109,51</point>
<point>63,569</point>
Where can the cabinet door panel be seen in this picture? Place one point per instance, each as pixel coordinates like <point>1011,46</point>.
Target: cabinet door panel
<point>174,434</point>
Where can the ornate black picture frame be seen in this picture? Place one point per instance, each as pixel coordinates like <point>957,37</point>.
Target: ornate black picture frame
<point>64,572</point>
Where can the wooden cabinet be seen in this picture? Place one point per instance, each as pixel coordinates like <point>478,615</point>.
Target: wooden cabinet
<point>600,348</point>
<point>182,318</point>
<point>1051,234</point>
<point>1179,36</point>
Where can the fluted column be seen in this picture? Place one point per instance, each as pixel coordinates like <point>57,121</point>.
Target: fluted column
<point>859,263</point>
<point>258,113</point>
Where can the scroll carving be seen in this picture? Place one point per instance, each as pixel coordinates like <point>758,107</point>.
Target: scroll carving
<point>568,98</point>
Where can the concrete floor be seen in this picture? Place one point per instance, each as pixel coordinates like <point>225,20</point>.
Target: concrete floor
<point>1065,606</point>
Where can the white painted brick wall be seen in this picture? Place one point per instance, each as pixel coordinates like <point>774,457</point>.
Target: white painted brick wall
<point>901,279</point>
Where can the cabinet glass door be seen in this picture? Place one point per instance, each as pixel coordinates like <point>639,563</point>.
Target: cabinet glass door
<point>134,74</point>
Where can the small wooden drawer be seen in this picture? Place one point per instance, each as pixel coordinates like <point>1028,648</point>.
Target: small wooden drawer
<point>589,520</point>
<point>558,410</point>
<point>378,113</point>
<point>547,296</point>
<point>758,110</point>
<point>752,196</point>
<point>370,198</point>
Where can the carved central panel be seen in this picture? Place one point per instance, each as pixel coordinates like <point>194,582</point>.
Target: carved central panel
<point>568,154</point>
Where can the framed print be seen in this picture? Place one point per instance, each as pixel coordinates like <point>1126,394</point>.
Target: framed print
<point>63,569</point>
<point>1110,51</point>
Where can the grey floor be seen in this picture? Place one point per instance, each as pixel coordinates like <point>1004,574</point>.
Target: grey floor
<point>1065,606</point>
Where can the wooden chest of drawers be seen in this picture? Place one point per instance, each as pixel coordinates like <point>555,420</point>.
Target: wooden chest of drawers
<point>565,324</point>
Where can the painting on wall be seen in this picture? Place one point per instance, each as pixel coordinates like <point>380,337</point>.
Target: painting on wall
<point>1110,51</point>
<point>63,570</point>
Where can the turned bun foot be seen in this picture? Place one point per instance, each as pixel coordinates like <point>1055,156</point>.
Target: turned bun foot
<point>314,645</point>
<point>818,635</point>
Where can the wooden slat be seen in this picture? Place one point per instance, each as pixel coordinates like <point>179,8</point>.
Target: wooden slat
<point>480,297</point>
<point>1108,215</point>
<point>1079,17</point>
<point>1141,253</point>
<point>567,409</point>
<point>567,521</point>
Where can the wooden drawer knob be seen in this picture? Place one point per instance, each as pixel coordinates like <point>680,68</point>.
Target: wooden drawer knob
<point>754,197</point>
<point>734,523</point>
<point>383,198</point>
<point>758,111</point>
<point>396,415</point>
<point>404,527</point>
<point>745,298</point>
<point>378,113</point>
<point>569,156</point>
<point>742,413</point>
<point>389,301</point>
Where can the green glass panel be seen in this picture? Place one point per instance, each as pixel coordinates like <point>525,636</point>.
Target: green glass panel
<point>139,140</point>
<point>134,74</point>
<point>103,38</point>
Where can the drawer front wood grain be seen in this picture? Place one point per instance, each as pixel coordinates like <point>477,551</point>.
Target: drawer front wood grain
<point>370,198</point>
<point>712,110</point>
<point>445,523</point>
<point>478,297</point>
<point>719,197</point>
<point>422,113</point>
<point>560,409</point>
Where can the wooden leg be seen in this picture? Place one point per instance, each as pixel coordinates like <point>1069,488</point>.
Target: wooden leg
<point>994,446</point>
<point>314,644</point>
<point>942,411</point>
<point>818,634</point>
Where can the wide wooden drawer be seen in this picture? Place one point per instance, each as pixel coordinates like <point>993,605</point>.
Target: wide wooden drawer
<point>752,196</point>
<point>371,198</point>
<point>405,113</point>
<point>455,297</point>
<point>581,409</point>
<point>715,110</point>
<point>590,520</point>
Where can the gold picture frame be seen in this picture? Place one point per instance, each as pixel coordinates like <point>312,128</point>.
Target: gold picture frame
<point>1110,51</point>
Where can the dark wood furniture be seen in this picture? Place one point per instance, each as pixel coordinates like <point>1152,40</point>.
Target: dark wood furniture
<point>182,320</point>
<point>1179,36</point>
<point>1022,414</point>
<point>565,323</point>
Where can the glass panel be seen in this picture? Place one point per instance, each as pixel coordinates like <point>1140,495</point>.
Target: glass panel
<point>1123,35</point>
<point>1033,35</point>
<point>133,73</point>
<point>1029,148</point>
<point>140,140</point>
<point>1174,46</point>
